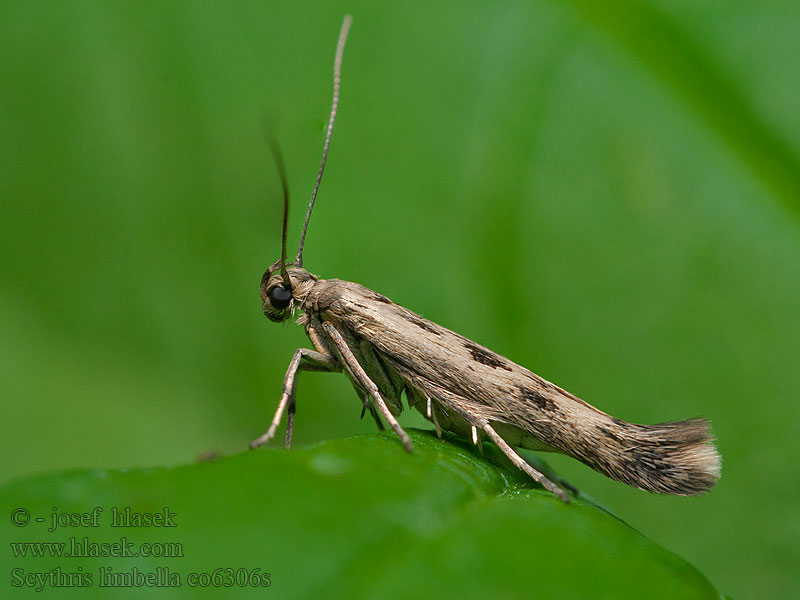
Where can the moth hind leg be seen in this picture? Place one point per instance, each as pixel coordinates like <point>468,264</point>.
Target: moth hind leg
<point>456,415</point>
<point>521,463</point>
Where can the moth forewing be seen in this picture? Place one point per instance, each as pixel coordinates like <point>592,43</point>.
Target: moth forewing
<point>469,381</point>
<point>460,386</point>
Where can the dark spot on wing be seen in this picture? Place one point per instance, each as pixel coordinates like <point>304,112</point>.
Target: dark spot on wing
<point>421,323</point>
<point>379,298</point>
<point>534,397</point>
<point>485,357</point>
<point>609,433</point>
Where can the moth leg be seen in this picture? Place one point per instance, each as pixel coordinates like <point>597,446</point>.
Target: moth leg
<point>476,439</point>
<point>303,360</point>
<point>376,417</point>
<point>355,367</point>
<point>432,413</point>
<point>365,406</point>
<point>422,402</point>
<point>435,417</point>
<point>389,386</point>
<point>520,463</point>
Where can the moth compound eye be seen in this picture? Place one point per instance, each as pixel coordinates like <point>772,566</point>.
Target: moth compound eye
<point>280,296</point>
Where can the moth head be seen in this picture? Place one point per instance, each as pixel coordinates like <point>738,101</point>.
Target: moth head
<point>279,299</point>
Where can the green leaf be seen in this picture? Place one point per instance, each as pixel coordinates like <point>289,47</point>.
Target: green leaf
<point>606,193</point>
<point>358,518</point>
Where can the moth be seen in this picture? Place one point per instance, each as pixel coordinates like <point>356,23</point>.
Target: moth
<point>462,387</point>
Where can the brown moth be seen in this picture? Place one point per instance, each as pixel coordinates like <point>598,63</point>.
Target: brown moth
<point>459,385</point>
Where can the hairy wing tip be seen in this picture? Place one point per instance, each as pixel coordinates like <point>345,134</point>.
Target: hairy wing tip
<point>678,458</point>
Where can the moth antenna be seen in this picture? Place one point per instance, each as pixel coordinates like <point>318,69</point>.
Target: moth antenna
<point>337,77</point>
<point>275,149</point>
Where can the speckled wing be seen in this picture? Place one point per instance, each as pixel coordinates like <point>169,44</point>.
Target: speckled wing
<point>676,458</point>
<point>436,359</point>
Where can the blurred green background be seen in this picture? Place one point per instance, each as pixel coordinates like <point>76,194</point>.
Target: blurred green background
<point>607,194</point>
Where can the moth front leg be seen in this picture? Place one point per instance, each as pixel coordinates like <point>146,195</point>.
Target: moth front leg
<point>347,357</point>
<point>303,360</point>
